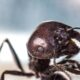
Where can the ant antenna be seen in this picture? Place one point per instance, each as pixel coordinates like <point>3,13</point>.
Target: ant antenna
<point>73,28</point>
<point>76,28</point>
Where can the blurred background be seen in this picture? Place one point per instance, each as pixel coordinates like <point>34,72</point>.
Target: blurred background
<point>19,18</point>
<point>25,15</point>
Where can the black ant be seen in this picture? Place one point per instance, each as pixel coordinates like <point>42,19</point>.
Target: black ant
<point>51,40</point>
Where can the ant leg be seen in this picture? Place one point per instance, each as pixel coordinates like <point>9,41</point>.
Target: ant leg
<point>60,67</point>
<point>16,73</point>
<point>74,67</point>
<point>13,53</point>
<point>53,74</point>
<point>71,65</point>
<point>77,72</point>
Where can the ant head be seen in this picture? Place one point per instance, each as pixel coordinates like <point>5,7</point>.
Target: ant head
<point>48,37</point>
<point>39,43</point>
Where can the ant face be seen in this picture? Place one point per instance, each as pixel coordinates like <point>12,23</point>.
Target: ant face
<point>47,38</point>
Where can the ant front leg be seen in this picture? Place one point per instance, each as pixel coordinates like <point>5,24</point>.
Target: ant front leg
<point>70,50</point>
<point>52,73</point>
<point>17,73</point>
<point>71,65</point>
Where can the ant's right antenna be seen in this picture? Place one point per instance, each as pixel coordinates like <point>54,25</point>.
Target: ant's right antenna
<point>76,28</point>
<point>73,28</point>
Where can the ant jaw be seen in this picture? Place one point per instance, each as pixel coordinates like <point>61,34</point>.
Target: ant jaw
<point>76,42</point>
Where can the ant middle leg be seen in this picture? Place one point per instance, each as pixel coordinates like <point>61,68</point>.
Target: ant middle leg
<point>17,73</point>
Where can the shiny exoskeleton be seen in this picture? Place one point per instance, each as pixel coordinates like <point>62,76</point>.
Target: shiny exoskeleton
<point>50,36</point>
<point>51,40</point>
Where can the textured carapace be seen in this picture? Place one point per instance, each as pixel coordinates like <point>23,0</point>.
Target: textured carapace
<point>50,38</point>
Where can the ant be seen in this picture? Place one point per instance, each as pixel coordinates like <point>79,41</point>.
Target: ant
<point>51,40</point>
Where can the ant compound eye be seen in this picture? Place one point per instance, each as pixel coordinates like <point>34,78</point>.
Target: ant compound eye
<point>40,49</point>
